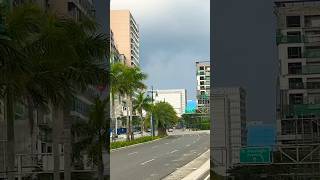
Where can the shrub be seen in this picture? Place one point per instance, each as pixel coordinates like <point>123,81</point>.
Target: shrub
<point>119,144</point>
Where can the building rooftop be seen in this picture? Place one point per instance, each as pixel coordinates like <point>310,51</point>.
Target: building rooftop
<point>283,3</point>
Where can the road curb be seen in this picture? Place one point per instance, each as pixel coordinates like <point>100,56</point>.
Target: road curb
<point>194,170</point>
<point>133,145</point>
<point>199,173</point>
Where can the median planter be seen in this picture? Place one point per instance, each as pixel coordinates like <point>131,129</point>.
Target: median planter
<point>115,145</point>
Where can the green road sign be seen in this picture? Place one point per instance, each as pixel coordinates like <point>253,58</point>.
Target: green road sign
<point>255,155</point>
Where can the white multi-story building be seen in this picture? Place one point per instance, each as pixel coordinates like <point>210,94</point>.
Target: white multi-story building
<point>298,40</point>
<point>298,98</point>
<point>229,132</point>
<point>203,86</point>
<point>177,98</point>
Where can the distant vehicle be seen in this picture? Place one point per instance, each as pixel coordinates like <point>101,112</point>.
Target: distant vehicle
<point>170,130</point>
<point>149,130</point>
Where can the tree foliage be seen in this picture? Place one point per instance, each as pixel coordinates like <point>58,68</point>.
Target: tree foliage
<point>165,116</point>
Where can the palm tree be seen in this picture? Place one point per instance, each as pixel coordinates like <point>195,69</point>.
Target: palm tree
<point>133,80</point>
<point>140,103</point>
<point>14,70</point>
<point>116,79</point>
<point>93,135</point>
<point>165,116</point>
<point>64,57</point>
<point>87,70</point>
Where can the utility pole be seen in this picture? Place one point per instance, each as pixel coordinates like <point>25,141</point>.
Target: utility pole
<point>151,118</point>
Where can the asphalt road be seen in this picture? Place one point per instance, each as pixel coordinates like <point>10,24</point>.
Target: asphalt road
<point>158,159</point>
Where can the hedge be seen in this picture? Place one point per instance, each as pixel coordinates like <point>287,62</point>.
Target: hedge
<point>119,144</point>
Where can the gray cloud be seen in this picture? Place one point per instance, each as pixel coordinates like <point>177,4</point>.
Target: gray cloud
<point>173,34</point>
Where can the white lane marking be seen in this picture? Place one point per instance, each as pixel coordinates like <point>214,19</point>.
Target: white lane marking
<point>154,146</point>
<point>173,151</point>
<point>167,164</point>
<point>147,161</point>
<point>207,178</point>
<point>132,153</point>
<point>175,160</point>
<point>188,145</point>
<point>166,143</point>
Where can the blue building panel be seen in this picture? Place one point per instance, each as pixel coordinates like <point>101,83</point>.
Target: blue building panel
<point>261,135</point>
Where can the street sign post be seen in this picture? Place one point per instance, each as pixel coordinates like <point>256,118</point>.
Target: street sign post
<point>255,155</point>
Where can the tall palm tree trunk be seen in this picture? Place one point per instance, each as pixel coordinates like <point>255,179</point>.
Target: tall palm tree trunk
<point>55,142</point>
<point>142,123</point>
<point>100,162</point>
<point>31,127</point>
<point>67,150</point>
<point>10,134</point>
<point>128,120</point>
<point>131,120</point>
<point>113,116</point>
<point>128,125</point>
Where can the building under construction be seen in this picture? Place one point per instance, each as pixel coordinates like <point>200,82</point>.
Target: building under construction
<point>203,86</point>
<point>298,95</point>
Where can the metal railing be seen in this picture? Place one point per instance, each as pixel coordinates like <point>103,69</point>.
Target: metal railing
<point>28,164</point>
<point>303,85</point>
<point>311,69</point>
<point>301,110</point>
<point>314,53</point>
<point>282,39</point>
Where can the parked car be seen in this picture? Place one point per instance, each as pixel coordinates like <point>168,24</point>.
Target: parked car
<point>170,130</point>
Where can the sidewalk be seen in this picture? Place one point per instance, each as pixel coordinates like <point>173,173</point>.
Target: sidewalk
<point>194,170</point>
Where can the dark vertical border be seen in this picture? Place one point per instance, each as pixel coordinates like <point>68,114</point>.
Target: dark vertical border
<point>102,14</point>
<point>211,80</point>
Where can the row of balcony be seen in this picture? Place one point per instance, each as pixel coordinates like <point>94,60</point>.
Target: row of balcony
<point>281,39</point>
<point>301,85</point>
<point>207,73</point>
<point>287,39</point>
<point>302,110</point>
<point>306,69</point>
<point>203,96</point>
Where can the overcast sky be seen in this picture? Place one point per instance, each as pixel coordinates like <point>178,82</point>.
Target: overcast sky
<point>244,52</point>
<point>173,35</point>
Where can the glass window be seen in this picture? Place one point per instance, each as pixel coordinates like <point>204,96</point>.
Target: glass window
<point>295,99</point>
<point>294,68</point>
<point>293,21</point>
<point>294,52</point>
<point>295,83</point>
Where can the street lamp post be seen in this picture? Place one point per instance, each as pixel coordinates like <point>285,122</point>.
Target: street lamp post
<point>151,118</point>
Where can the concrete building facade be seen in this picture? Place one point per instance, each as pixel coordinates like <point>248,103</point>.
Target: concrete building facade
<point>177,98</point>
<point>229,123</point>
<point>203,86</point>
<point>77,9</point>
<point>298,40</point>
<point>126,35</point>
<point>298,95</point>
<point>220,142</point>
